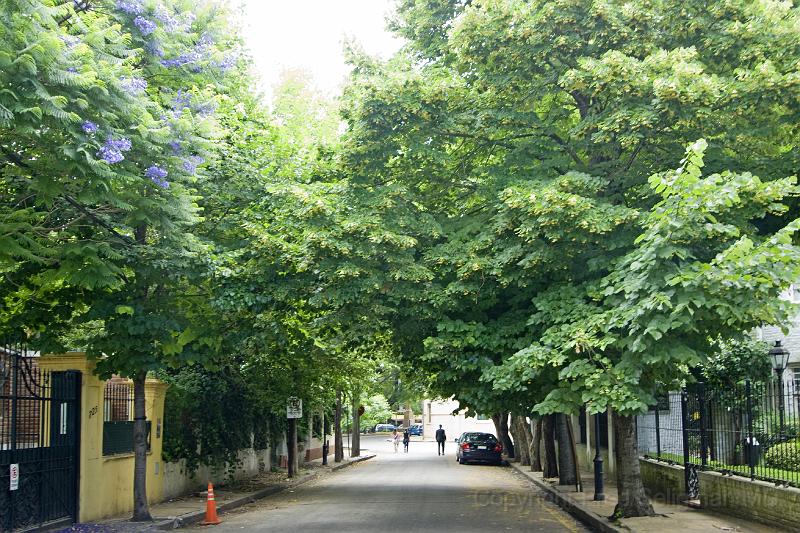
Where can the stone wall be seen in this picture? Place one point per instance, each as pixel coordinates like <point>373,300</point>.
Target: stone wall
<point>663,481</point>
<point>178,481</point>
<point>736,496</point>
<point>754,500</point>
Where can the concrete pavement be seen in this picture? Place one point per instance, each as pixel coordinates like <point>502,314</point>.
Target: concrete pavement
<point>418,491</point>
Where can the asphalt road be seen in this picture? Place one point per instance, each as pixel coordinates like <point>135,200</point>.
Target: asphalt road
<point>417,491</point>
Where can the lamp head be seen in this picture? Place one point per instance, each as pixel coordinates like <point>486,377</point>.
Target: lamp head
<point>779,357</point>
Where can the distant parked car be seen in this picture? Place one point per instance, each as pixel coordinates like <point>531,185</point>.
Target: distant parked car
<point>415,429</point>
<point>479,447</point>
<point>384,427</point>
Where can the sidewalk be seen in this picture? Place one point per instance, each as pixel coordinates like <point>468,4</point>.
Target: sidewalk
<point>190,509</point>
<point>669,517</point>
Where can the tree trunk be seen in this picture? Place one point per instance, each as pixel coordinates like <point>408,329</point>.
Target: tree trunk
<point>512,452</point>
<point>355,446</point>
<point>141,510</point>
<point>536,446</point>
<point>567,474</point>
<point>291,447</point>
<point>550,466</point>
<point>513,433</point>
<point>521,442</point>
<point>501,426</point>
<point>338,452</point>
<point>631,498</point>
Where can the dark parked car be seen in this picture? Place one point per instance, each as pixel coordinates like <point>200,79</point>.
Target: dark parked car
<point>380,428</point>
<point>479,447</point>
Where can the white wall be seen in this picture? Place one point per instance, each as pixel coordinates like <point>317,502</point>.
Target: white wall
<point>670,429</point>
<point>178,482</point>
<point>437,412</point>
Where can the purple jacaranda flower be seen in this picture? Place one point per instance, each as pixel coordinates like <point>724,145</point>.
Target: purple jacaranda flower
<point>146,27</point>
<point>228,62</point>
<point>89,127</point>
<point>155,171</point>
<point>168,21</point>
<point>205,40</point>
<point>111,151</point>
<point>109,155</point>
<point>122,144</point>
<point>176,147</point>
<point>187,58</point>
<point>164,184</point>
<point>153,48</point>
<point>191,162</point>
<point>193,57</point>
<point>206,108</point>
<point>73,70</point>
<point>157,175</point>
<point>182,100</point>
<point>131,7</point>
<point>133,86</point>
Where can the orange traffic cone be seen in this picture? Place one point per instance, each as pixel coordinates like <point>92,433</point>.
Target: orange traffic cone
<point>211,509</point>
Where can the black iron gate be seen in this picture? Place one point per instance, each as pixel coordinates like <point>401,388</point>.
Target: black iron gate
<point>39,442</point>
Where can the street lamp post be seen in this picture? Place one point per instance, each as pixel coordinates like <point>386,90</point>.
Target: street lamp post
<point>780,360</point>
<point>599,495</point>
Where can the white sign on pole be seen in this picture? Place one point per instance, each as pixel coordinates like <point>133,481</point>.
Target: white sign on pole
<point>294,407</point>
<point>14,472</point>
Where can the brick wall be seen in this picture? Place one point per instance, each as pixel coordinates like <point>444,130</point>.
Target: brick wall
<point>28,409</point>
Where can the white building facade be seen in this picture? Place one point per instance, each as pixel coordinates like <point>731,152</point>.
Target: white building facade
<point>436,412</point>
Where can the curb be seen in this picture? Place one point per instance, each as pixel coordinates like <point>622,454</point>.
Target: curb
<point>195,517</point>
<point>589,518</point>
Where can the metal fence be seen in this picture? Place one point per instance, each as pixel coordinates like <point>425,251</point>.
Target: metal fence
<point>750,430</point>
<point>39,435</point>
<point>118,417</point>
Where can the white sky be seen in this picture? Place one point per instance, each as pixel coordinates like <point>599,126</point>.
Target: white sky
<point>309,34</point>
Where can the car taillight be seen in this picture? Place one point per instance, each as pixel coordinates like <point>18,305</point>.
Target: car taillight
<point>498,447</point>
<point>465,445</point>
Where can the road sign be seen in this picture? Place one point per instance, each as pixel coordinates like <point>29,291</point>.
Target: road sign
<point>14,476</point>
<point>294,407</point>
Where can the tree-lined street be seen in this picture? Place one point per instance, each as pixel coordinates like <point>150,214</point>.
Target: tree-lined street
<point>418,491</point>
<point>553,213</point>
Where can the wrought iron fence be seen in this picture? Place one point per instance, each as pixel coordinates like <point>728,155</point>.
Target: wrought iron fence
<point>750,430</point>
<point>118,417</point>
<point>39,425</point>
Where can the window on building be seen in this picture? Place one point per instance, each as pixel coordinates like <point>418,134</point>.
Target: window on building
<point>796,378</point>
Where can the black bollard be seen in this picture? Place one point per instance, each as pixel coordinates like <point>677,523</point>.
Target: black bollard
<point>325,448</point>
<point>599,495</point>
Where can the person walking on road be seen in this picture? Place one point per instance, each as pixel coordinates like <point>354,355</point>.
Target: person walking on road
<point>406,439</point>
<point>440,440</point>
<point>395,439</point>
